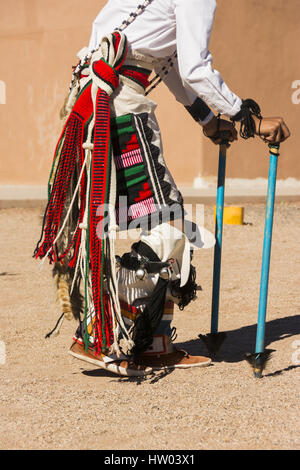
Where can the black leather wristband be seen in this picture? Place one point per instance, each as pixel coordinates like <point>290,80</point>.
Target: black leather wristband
<point>198,110</point>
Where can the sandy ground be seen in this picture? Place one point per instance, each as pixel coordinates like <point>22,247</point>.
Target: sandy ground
<point>51,400</point>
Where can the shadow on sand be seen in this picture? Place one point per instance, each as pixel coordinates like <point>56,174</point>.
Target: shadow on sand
<point>237,343</point>
<point>150,378</point>
<point>240,341</point>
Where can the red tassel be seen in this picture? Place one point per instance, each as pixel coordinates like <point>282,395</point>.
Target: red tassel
<point>99,183</point>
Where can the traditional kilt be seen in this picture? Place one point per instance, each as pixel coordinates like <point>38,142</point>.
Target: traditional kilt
<point>146,192</point>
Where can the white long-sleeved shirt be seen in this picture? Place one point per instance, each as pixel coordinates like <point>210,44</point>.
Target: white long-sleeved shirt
<point>164,27</point>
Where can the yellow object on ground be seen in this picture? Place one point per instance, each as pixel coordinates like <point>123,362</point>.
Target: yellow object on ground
<point>232,215</point>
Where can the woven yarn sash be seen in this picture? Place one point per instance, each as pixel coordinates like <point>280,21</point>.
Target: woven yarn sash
<point>105,81</point>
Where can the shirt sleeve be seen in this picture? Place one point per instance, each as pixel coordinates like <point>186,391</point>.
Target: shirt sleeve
<point>198,109</point>
<point>194,21</point>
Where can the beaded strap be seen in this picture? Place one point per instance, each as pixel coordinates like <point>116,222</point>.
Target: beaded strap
<point>163,71</point>
<point>140,9</point>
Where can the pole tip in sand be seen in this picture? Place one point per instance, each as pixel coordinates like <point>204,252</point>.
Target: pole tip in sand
<point>259,361</point>
<point>213,342</point>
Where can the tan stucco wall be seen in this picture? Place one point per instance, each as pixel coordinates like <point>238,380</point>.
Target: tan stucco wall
<point>255,46</point>
<point>257,50</point>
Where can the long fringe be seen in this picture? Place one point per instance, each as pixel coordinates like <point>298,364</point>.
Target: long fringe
<point>65,170</point>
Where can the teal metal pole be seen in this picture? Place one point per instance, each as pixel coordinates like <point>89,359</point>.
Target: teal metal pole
<point>218,235</point>
<point>260,335</point>
<point>214,339</point>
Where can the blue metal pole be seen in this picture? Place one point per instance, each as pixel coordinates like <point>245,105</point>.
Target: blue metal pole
<point>260,335</point>
<point>218,245</point>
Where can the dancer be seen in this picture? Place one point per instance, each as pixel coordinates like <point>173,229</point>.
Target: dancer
<point>109,174</point>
